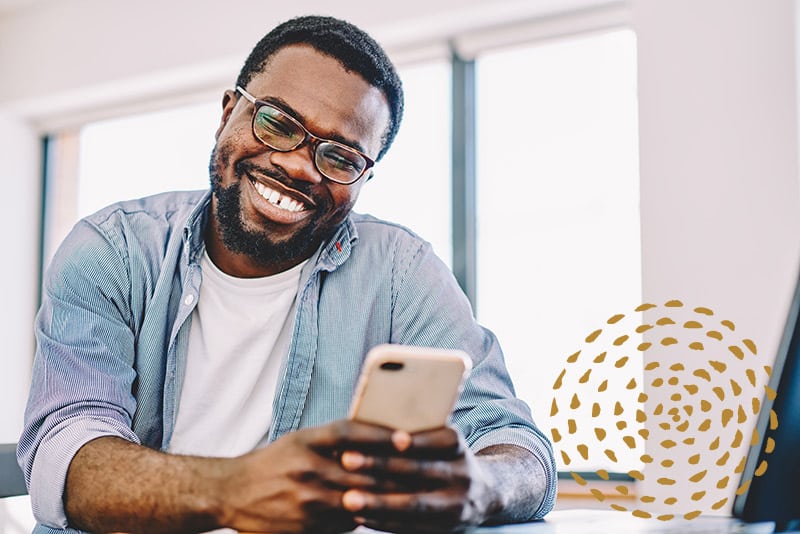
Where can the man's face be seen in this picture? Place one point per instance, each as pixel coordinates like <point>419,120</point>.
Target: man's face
<point>272,209</point>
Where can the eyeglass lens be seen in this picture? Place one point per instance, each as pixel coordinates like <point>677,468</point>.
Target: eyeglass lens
<point>277,130</point>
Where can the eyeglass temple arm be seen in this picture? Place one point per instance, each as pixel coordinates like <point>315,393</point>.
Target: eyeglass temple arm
<point>245,94</point>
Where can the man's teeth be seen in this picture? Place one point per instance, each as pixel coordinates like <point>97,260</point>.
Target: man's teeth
<point>276,199</point>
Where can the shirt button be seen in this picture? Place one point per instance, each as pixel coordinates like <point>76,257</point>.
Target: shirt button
<point>188,300</point>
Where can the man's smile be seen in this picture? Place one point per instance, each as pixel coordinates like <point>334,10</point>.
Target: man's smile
<point>278,202</point>
<point>277,199</point>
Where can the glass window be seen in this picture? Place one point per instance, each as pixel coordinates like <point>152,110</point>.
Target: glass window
<point>558,208</point>
<point>123,158</point>
<point>140,155</point>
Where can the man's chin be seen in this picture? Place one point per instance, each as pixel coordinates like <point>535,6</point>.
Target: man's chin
<point>266,242</point>
<point>270,247</point>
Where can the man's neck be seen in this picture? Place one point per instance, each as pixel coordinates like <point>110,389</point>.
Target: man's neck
<point>241,265</point>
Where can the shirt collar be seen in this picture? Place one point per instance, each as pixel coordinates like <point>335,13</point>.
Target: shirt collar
<point>333,253</point>
<point>194,229</point>
<point>336,251</point>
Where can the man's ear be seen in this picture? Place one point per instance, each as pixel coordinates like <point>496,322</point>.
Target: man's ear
<point>228,103</point>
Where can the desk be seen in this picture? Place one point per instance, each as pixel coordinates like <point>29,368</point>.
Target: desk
<point>611,522</point>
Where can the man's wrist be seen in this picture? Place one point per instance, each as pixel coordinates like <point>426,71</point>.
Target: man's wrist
<point>216,503</point>
<point>516,485</point>
<point>497,495</point>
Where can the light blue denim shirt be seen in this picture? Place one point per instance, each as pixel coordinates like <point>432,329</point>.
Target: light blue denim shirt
<point>113,330</point>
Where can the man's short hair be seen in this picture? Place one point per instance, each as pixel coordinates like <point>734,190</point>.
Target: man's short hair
<point>351,46</point>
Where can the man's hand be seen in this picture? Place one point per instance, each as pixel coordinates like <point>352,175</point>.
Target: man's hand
<point>297,483</point>
<point>432,483</point>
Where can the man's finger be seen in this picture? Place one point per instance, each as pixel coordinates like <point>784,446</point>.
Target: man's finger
<point>424,472</point>
<point>435,508</point>
<point>344,434</point>
<point>441,442</point>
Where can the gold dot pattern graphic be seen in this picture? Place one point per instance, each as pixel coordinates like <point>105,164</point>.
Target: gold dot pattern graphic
<point>691,365</point>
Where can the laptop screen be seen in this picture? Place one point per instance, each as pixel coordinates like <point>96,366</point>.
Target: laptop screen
<point>774,494</point>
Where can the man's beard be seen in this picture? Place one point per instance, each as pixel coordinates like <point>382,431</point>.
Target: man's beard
<point>258,246</point>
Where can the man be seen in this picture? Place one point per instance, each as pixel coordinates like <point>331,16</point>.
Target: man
<point>197,352</point>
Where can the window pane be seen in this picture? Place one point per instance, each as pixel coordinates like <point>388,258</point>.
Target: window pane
<point>145,154</point>
<point>412,182</point>
<point>558,210</point>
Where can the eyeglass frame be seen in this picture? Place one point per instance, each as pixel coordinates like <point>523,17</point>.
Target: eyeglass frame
<point>312,139</point>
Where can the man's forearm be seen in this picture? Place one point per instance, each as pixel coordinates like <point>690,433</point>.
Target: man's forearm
<point>295,484</point>
<point>115,485</point>
<point>520,482</point>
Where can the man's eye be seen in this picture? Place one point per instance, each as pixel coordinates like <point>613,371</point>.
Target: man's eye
<point>274,125</point>
<point>338,160</point>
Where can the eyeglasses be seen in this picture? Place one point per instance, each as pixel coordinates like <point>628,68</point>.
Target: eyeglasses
<point>280,131</point>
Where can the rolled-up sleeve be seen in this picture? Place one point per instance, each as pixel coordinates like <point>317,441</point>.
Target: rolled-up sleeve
<point>83,373</point>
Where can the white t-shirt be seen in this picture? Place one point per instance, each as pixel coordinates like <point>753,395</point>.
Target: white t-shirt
<point>239,337</point>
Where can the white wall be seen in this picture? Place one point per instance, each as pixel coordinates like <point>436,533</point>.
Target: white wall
<point>114,52</point>
<point>720,202</point>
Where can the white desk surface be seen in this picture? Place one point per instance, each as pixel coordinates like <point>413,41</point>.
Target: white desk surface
<point>581,521</point>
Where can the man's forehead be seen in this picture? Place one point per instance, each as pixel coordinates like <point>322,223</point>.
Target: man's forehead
<point>291,58</point>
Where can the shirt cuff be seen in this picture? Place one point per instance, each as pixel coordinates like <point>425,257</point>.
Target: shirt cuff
<point>538,447</point>
<point>54,454</point>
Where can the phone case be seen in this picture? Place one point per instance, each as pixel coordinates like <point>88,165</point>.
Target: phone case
<point>409,388</point>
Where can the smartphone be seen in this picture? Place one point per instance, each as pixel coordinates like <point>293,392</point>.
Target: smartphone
<point>409,388</point>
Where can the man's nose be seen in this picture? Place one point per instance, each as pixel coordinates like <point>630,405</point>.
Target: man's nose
<point>298,164</point>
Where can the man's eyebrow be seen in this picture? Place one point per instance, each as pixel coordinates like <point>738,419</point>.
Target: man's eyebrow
<point>334,136</point>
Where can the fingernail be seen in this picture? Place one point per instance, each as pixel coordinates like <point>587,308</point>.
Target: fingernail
<point>401,440</point>
<point>352,460</point>
<point>353,501</point>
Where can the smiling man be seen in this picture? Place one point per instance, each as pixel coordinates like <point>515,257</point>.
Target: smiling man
<point>197,352</point>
